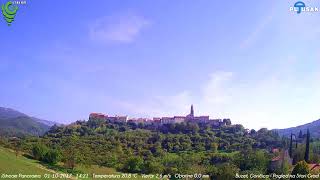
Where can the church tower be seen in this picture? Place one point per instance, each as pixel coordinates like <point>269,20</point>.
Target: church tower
<point>191,111</point>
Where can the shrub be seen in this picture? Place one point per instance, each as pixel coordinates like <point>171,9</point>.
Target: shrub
<point>52,156</point>
<point>133,165</point>
<point>39,151</point>
<point>301,168</point>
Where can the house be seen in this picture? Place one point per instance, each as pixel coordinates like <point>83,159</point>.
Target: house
<point>164,120</point>
<point>279,159</point>
<point>201,119</point>
<point>97,116</point>
<point>122,119</point>
<point>167,120</point>
<point>215,122</point>
<point>275,150</point>
<point>116,118</point>
<point>314,167</point>
<point>179,119</point>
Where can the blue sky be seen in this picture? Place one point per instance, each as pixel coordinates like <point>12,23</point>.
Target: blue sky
<point>254,62</point>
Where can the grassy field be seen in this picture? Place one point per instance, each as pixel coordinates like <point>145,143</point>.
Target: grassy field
<point>12,165</point>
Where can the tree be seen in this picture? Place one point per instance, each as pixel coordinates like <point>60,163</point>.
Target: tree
<point>253,132</point>
<point>306,156</point>
<point>133,165</point>
<point>214,147</point>
<point>298,154</point>
<point>301,168</point>
<point>95,122</point>
<point>300,134</point>
<point>17,147</point>
<point>252,159</point>
<point>39,151</point>
<point>290,147</point>
<point>227,171</point>
<point>152,166</point>
<point>227,121</point>
<point>69,153</point>
<point>52,156</point>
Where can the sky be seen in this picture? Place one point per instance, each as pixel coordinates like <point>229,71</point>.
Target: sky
<point>254,62</point>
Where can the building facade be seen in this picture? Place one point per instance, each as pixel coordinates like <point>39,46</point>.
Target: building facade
<point>164,120</point>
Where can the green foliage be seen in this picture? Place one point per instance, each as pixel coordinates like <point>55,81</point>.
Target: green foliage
<point>214,147</point>
<point>52,156</point>
<point>39,151</point>
<point>21,126</point>
<point>298,153</point>
<point>133,165</point>
<point>172,162</point>
<point>219,158</point>
<point>42,153</point>
<point>307,151</point>
<point>173,148</point>
<point>290,146</point>
<point>252,160</point>
<point>95,123</point>
<point>301,168</point>
<point>300,134</point>
<point>226,171</point>
<point>152,166</point>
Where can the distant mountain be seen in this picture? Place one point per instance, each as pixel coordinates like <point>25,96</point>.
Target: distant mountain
<point>6,113</point>
<point>15,123</point>
<point>46,122</point>
<point>314,128</point>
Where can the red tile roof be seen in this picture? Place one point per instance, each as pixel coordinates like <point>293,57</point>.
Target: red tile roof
<point>276,158</point>
<point>314,167</point>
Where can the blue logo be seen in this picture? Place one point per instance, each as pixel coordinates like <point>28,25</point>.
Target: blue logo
<point>299,5</point>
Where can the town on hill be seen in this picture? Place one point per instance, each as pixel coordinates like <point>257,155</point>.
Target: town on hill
<point>190,144</point>
<point>163,120</point>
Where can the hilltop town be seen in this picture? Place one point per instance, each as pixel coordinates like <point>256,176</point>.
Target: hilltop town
<point>163,120</point>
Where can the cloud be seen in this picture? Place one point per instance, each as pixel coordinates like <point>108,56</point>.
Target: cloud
<point>122,28</point>
<point>276,100</point>
<point>159,106</point>
<point>213,94</point>
<point>255,34</point>
<point>216,85</point>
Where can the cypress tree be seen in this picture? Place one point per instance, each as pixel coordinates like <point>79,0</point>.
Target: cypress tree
<point>306,155</point>
<point>290,147</point>
<point>300,134</point>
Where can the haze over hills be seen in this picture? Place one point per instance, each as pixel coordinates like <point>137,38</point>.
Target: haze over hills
<point>314,128</point>
<point>15,123</point>
<point>6,113</point>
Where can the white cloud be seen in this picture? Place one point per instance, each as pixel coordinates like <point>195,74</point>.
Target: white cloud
<point>213,94</point>
<point>257,31</point>
<point>215,91</point>
<point>260,27</point>
<point>159,106</point>
<point>123,28</point>
<point>275,101</point>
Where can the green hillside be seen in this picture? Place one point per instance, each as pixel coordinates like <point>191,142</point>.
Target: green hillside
<point>15,123</point>
<point>10,164</point>
<point>314,128</point>
<point>19,126</point>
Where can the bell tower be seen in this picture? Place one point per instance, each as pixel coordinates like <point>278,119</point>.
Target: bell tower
<point>191,111</point>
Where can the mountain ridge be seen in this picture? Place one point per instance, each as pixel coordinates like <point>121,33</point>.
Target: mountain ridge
<point>15,123</point>
<point>314,128</point>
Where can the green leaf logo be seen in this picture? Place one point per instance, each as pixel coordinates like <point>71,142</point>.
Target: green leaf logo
<point>9,11</point>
